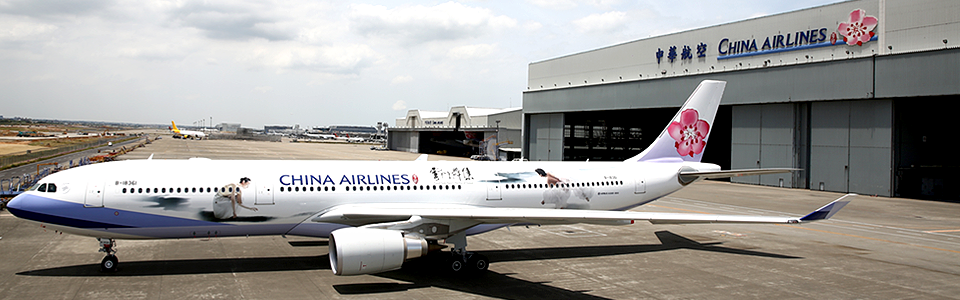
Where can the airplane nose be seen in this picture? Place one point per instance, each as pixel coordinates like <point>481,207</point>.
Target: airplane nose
<point>16,203</point>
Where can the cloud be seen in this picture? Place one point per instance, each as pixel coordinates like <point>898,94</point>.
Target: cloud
<point>13,29</point>
<point>471,51</point>
<point>400,105</point>
<point>347,59</point>
<point>606,22</point>
<point>157,52</point>
<point>401,79</point>
<point>554,4</point>
<point>421,24</point>
<point>231,20</point>
<point>532,25</point>
<point>262,89</point>
<point>54,8</point>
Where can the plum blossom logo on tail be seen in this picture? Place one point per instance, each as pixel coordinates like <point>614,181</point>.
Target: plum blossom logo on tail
<point>859,29</point>
<point>690,133</point>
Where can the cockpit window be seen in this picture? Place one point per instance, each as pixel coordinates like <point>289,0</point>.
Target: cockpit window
<point>51,188</point>
<point>43,188</point>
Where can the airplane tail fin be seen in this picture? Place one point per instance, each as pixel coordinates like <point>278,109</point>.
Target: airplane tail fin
<point>175,129</point>
<point>685,138</point>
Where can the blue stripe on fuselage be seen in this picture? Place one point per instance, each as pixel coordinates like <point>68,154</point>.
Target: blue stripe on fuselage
<point>46,210</point>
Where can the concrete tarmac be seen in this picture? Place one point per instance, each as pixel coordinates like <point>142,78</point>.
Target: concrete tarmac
<point>875,248</point>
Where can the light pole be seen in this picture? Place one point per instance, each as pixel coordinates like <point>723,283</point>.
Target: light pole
<point>497,145</point>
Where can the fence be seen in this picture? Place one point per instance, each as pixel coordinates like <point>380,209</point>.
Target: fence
<point>9,160</point>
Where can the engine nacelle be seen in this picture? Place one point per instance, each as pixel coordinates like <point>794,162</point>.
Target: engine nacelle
<point>357,251</point>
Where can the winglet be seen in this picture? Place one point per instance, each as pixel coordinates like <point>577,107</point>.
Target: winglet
<point>422,157</point>
<point>151,157</point>
<point>827,211</point>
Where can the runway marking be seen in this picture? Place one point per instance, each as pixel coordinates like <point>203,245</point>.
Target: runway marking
<point>941,231</point>
<point>869,238</point>
<point>680,209</point>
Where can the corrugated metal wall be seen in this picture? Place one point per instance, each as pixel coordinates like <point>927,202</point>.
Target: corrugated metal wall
<point>763,136</point>
<point>851,146</point>
<point>404,141</point>
<point>545,137</point>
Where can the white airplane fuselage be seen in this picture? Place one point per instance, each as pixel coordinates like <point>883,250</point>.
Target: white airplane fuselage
<point>148,199</point>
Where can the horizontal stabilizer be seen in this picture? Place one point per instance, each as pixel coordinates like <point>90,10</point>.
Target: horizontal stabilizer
<point>828,210</point>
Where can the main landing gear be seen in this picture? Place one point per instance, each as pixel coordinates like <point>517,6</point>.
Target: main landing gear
<point>462,261</point>
<point>467,262</point>
<point>109,263</point>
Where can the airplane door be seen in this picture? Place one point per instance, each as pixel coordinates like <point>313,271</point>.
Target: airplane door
<point>94,196</point>
<point>640,186</point>
<point>264,195</point>
<point>493,191</point>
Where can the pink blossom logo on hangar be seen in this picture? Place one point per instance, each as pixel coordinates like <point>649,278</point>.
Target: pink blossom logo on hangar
<point>859,29</point>
<point>690,133</point>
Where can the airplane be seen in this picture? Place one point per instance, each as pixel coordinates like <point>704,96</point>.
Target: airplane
<point>349,139</point>
<point>320,136</point>
<point>187,133</point>
<point>378,214</point>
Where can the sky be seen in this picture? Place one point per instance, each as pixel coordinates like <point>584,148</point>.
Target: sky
<point>312,63</point>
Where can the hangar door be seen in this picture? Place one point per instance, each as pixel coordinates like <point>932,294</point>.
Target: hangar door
<point>851,146</point>
<point>546,137</point>
<point>768,136</point>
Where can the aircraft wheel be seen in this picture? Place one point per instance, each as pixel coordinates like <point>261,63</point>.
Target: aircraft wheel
<point>109,264</point>
<point>479,262</point>
<point>455,265</point>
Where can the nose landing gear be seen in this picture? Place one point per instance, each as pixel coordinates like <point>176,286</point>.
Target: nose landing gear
<point>109,263</point>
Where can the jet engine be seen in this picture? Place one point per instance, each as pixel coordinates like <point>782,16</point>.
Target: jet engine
<point>357,251</point>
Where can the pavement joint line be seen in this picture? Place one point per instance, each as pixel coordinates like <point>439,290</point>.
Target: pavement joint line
<point>739,208</point>
<point>870,238</point>
<point>892,234</point>
<point>941,231</point>
<point>914,234</point>
<point>680,209</point>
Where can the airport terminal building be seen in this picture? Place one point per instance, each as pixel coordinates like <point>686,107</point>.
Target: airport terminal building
<point>856,94</point>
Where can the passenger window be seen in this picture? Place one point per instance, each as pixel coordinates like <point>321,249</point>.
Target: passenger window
<point>140,190</point>
<point>178,190</point>
<point>51,188</point>
<point>43,188</point>
<point>124,190</point>
<point>333,188</point>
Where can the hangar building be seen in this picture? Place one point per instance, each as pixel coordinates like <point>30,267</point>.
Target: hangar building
<point>462,131</point>
<point>857,94</point>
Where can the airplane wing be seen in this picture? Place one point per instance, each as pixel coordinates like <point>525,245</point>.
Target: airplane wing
<point>363,214</point>
<point>735,173</point>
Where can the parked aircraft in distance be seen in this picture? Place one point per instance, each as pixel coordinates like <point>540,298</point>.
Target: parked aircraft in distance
<point>187,134</point>
<point>349,139</point>
<point>378,214</point>
<point>320,136</point>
